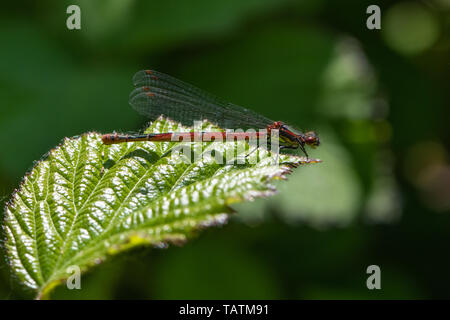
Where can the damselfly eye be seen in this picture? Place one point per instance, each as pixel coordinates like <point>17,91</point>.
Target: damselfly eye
<point>312,139</point>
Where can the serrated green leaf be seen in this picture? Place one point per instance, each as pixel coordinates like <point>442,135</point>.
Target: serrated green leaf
<point>86,201</point>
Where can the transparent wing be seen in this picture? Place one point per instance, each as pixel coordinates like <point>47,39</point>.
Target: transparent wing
<point>159,94</point>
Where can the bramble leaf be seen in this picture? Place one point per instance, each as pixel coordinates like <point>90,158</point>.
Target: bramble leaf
<point>86,201</point>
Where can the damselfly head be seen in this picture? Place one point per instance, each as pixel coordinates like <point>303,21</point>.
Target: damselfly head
<point>312,139</point>
<point>109,138</point>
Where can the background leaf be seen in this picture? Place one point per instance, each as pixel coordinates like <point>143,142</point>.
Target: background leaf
<point>87,201</point>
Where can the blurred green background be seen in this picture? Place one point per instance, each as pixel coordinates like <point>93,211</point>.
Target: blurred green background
<point>378,98</point>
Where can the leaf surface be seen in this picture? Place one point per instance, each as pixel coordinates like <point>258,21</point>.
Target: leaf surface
<point>86,201</point>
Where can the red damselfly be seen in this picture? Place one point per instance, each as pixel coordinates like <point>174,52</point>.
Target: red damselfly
<point>158,94</point>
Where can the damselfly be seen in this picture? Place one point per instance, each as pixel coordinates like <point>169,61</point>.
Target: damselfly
<point>159,94</point>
